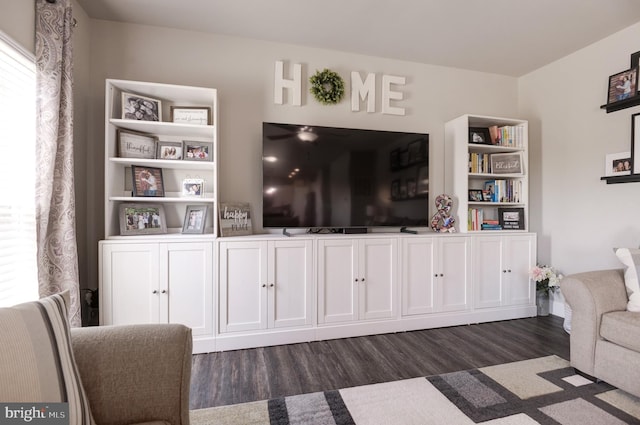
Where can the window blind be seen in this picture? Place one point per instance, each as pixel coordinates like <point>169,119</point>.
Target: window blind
<point>18,272</point>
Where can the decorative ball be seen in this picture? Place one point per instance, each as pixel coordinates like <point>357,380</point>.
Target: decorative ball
<point>327,87</point>
<point>442,221</point>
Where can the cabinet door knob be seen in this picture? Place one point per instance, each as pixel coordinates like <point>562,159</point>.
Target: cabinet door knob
<point>504,271</point>
<point>272,285</point>
<point>155,291</point>
<point>362,280</point>
<point>356,279</point>
<point>264,285</point>
<point>441,274</point>
<point>509,270</point>
<point>164,291</point>
<point>435,275</point>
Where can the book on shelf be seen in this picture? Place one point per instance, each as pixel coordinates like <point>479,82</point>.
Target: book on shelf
<point>508,135</point>
<point>478,162</point>
<point>501,190</point>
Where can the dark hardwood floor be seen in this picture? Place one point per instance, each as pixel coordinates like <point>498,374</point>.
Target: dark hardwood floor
<point>262,373</point>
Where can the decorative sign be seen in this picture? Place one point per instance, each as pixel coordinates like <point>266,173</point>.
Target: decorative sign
<point>506,163</point>
<point>511,218</point>
<point>360,90</point>
<point>235,218</point>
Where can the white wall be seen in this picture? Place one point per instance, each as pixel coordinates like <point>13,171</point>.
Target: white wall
<point>243,72</point>
<point>17,20</point>
<point>580,219</point>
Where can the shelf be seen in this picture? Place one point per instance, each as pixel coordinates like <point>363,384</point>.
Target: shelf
<point>621,104</point>
<point>163,199</point>
<point>632,178</point>
<point>165,128</point>
<point>495,204</point>
<point>495,176</point>
<point>180,164</point>
<point>480,148</point>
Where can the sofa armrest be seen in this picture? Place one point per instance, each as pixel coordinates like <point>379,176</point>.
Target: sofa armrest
<point>135,373</point>
<point>590,295</point>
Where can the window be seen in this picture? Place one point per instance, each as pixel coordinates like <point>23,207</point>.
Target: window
<point>18,271</point>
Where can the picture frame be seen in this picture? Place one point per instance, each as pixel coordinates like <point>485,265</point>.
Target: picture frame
<point>506,163</point>
<point>195,219</point>
<point>193,115</point>
<point>142,219</point>
<point>197,151</point>
<point>617,164</point>
<point>193,187</point>
<point>141,108</point>
<point>147,181</point>
<point>511,218</point>
<point>635,60</point>
<point>235,218</point>
<point>422,181</point>
<point>169,150</point>
<point>404,158</point>
<point>635,143</point>
<point>133,144</point>
<point>479,136</point>
<point>476,195</point>
<point>623,85</point>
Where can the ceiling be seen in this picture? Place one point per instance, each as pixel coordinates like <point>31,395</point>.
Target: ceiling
<point>509,37</point>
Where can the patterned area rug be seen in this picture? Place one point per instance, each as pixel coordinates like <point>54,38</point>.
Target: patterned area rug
<point>538,391</point>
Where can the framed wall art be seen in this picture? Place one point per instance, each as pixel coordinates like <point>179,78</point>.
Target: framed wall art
<point>506,163</point>
<point>198,151</point>
<point>147,181</point>
<point>194,115</point>
<point>617,164</point>
<point>169,150</point>
<point>142,219</point>
<point>141,108</point>
<point>195,219</point>
<point>132,144</point>
<point>623,85</point>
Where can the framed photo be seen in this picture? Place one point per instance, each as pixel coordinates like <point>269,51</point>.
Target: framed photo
<point>395,189</point>
<point>635,143</point>
<point>475,195</point>
<point>404,158</point>
<point>142,219</point>
<point>417,151</point>
<point>195,115</point>
<point>195,219</point>
<point>147,181</point>
<point>422,181</point>
<point>132,144</point>
<point>506,163</point>
<point>235,218</point>
<point>511,218</point>
<point>198,151</point>
<point>140,108</point>
<point>618,164</point>
<point>623,85</point>
<point>394,159</point>
<point>193,187</point>
<point>479,135</point>
<point>411,188</point>
<point>169,150</point>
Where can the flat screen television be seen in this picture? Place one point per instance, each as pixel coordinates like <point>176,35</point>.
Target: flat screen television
<point>325,177</point>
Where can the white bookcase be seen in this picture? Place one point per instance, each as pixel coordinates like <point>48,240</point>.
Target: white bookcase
<point>460,177</point>
<point>118,181</point>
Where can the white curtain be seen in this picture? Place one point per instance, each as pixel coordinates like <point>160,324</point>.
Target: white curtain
<point>55,197</point>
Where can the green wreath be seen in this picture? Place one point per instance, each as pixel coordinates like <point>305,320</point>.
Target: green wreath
<point>327,87</point>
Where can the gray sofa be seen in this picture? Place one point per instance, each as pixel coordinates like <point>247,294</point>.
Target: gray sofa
<point>605,337</point>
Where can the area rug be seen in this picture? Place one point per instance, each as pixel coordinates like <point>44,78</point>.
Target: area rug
<point>539,391</point>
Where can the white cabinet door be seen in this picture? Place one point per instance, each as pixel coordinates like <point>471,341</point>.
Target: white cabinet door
<point>129,290</point>
<point>337,288</point>
<point>488,271</point>
<point>501,270</point>
<point>357,279</point>
<point>186,276</point>
<point>377,285</point>
<point>519,257</point>
<point>243,286</point>
<point>418,280</point>
<point>290,283</point>
<point>454,274</point>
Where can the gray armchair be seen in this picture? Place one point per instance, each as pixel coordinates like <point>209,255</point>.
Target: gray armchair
<point>135,374</point>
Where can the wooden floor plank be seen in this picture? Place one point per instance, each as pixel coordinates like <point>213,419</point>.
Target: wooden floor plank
<point>261,373</point>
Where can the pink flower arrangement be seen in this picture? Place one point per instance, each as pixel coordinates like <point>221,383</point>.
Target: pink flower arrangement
<point>546,278</point>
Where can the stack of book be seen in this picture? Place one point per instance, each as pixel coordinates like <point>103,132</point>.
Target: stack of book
<point>490,225</point>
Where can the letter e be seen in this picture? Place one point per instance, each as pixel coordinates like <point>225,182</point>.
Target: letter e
<point>388,95</point>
